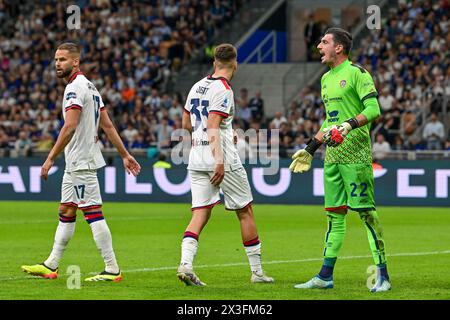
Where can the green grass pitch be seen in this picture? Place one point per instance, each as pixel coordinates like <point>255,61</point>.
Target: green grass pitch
<point>147,238</point>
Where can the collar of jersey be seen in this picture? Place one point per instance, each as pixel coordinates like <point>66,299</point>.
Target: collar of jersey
<point>341,66</point>
<point>74,76</point>
<point>210,77</point>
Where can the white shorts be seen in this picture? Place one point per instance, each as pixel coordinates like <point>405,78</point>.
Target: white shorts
<point>81,189</point>
<point>235,187</point>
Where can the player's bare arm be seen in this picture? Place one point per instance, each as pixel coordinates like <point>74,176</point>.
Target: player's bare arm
<point>216,147</point>
<point>186,125</point>
<point>186,121</point>
<point>319,136</point>
<point>66,134</point>
<point>130,164</point>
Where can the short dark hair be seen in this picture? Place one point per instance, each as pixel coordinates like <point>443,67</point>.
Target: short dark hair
<point>342,37</point>
<point>71,47</point>
<point>225,53</point>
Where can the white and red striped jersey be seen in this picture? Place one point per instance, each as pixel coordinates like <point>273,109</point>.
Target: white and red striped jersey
<point>83,151</point>
<point>211,95</point>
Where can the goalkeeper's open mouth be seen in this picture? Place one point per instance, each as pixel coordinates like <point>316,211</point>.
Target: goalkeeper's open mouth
<point>322,56</point>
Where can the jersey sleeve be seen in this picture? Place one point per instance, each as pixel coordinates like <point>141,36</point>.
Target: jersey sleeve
<point>73,98</point>
<point>371,109</point>
<point>365,87</point>
<point>221,103</point>
<point>324,125</point>
<point>102,105</point>
<point>187,105</point>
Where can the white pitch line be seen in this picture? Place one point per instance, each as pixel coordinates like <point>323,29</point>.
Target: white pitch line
<point>237,264</point>
<point>81,218</point>
<point>289,261</point>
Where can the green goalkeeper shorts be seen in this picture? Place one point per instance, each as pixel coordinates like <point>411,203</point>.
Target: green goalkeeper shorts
<point>349,186</point>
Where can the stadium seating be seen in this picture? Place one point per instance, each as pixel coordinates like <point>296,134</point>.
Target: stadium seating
<point>131,50</point>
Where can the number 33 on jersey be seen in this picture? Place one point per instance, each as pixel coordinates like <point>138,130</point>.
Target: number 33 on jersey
<point>211,96</point>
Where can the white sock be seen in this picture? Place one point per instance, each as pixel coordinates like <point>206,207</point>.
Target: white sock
<point>63,234</point>
<point>103,240</point>
<point>254,258</point>
<point>189,248</point>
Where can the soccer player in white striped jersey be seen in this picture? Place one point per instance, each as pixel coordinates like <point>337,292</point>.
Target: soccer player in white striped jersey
<point>83,112</point>
<point>214,164</point>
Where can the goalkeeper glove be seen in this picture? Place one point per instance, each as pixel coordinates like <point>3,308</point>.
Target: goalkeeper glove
<point>335,135</point>
<point>302,158</point>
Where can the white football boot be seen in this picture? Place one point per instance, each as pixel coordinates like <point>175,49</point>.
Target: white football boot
<point>381,285</point>
<point>261,278</point>
<point>315,283</point>
<point>189,277</point>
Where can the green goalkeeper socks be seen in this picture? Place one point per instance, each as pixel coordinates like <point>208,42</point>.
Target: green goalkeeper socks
<point>375,236</point>
<point>333,243</point>
<point>334,239</point>
<point>335,234</point>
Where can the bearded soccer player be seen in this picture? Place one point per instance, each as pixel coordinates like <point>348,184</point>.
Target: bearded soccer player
<point>214,164</point>
<point>83,111</point>
<point>351,104</point>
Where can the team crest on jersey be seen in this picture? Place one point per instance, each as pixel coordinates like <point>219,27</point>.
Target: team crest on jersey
<point>343,83</point>
<point>71,95</point>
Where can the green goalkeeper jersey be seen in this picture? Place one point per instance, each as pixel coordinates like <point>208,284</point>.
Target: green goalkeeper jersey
<point>344,90</point>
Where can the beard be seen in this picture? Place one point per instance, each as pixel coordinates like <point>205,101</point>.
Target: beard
<point>331,59</point>
<point>65,73</point>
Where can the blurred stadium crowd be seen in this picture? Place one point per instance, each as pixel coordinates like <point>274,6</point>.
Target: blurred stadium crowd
<point>409,59</point>
<point>132,49</point>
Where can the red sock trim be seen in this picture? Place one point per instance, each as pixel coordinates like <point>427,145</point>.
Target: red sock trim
<point>189,234</point>
<point>93,215</point>
<point>253,242</point>
<point>67,219</point>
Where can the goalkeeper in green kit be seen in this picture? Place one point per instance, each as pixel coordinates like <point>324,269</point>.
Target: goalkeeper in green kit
<point>350,99</point>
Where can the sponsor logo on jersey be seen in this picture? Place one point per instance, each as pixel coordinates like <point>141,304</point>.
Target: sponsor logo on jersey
<point>343,83</point>
<point>199,142</point>
<point>71,95</point>
<point>333,116</point>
